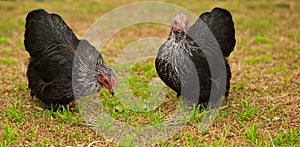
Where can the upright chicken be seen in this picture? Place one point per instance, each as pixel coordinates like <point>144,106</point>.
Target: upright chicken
<point>52,46</point>
<point>182,61</point>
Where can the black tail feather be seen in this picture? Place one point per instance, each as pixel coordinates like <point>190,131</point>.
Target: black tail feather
<point>44,30</point>
<point>221,25</point>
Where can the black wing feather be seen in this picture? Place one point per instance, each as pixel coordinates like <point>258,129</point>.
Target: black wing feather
<point>50,75</point>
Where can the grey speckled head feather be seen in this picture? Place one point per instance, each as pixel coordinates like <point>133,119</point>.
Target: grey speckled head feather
<point>89,69</point>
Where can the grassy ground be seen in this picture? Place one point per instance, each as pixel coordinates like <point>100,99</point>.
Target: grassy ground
<point>262,108</point>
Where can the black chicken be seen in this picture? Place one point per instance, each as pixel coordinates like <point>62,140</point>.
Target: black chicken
<point>182,61</point>
<point>52,46</point>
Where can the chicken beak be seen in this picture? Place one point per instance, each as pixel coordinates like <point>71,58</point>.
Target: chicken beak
<point>112,92</point>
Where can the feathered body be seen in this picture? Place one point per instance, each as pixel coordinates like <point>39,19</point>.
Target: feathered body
<point>181,53</point>
<point>52,46</point>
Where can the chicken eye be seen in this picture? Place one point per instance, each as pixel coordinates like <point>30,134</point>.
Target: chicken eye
<point>106,81</point>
